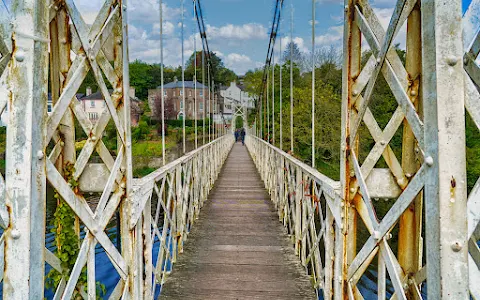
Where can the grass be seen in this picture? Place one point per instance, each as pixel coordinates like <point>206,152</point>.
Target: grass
<point>140,172</point>
<point>150,148</point>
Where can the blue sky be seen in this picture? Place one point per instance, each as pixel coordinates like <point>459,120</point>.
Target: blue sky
<point>238,30</point>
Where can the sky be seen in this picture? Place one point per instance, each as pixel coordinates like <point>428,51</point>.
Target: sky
<point>237,30</point>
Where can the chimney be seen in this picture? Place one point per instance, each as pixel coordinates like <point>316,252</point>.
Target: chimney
<point>88,91</point>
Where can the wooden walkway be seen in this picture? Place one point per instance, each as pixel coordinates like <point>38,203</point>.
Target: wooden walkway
<point>237,249</point>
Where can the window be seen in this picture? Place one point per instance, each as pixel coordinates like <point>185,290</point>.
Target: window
<point>165,93</point>
<point>181,92</point>
<point>174,93</point>
<point>190,93</point>
<point>93,116</point>
<point>201,106</point>
<point>181,104</point>
<point>92,103</point>
<point>49,107</point>
<point>201,93</point>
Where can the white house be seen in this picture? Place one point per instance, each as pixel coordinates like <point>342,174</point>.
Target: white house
<point>235,95</point>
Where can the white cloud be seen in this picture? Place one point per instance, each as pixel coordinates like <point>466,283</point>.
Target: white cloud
<point>241,63</point>
<point>249,31</point>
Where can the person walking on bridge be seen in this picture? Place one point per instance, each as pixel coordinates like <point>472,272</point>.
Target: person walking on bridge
<point>236,135</point>
<point>242,135</point>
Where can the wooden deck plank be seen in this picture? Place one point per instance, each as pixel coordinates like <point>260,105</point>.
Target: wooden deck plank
<point>237,249</point>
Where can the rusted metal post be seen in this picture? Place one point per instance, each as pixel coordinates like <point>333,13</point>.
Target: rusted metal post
<point>445,183</point>
<point>25,152</point>
<point>345,249</point>
<point>410,223</point>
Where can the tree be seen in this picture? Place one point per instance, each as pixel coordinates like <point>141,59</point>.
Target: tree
<point>296,54</point>
<point>169,110</point>
<point>223,75</point>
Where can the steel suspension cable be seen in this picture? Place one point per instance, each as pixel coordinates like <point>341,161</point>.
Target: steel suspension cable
<point>268,107</point>
<point>291,80</point>
<point>273,99</point>
<point>195,77</point>
<point>281,102</point>
<point>183,82</point>
<point>203,97</point>
<point>313,83</point>
<point>209,105</point>
<point>162,98</point>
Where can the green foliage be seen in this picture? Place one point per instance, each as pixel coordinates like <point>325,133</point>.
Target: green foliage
<point>140,132</point>
<point>67,242</point>
<point>147,148</point>
<point>137,173</point>
<point>238,122</point>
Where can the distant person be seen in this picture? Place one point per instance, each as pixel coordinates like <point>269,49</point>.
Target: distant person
<point>236,135</point>
<point>242,136</point>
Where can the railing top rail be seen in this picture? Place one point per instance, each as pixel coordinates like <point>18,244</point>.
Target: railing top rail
<point>160,172</point>
<point>323,179</point>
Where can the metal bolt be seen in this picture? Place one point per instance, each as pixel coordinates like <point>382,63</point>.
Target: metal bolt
<point>93,138</point>
<point>465,60</point>
<point>413,93</point>
<point>40,154</point>
<point>352,173</point>
<point>346,8</point>
<point>122,169</point>
<point>401,181</point>
<point>354,92</point>
<point>457,246</point>
<point>342,204</point>
<point>429,161</point>
<point>451,60</point>
<point>382,143</point>
<point>119,42</point>
<point>123,185</point>
<point>353,190</point>
<point>378,60</point>
<point>64,41</point>
<point>376,235</point>
<point>388,236</point>
<point>408,175</point>
<point>15,234</point>
<point>20,55</point>
<point>85,229</point>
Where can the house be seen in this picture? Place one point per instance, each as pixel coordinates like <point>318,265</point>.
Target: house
<point>235,95</point>
<point>173,96</point>
<point>94,104</point>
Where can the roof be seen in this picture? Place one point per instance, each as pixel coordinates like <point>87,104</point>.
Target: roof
<point>96,96</point>
<point>178,84</point>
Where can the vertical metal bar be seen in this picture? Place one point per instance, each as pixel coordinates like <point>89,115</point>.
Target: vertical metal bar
<point>445,183</point>
<point>195,76</point>
<point>345,240</point>
<point>184,115</point>
<point>25,152</point>
<point>313,83</point>
<point>410,223</point>
<point>203,96</point>
<point>261,116</point>
<point>291,80</point>
<point>209,104</point>
<point>127,235</point>
<point>273,97</point>
<point>162,97</point>
<point>281,104</point>
<point>268,110</point>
